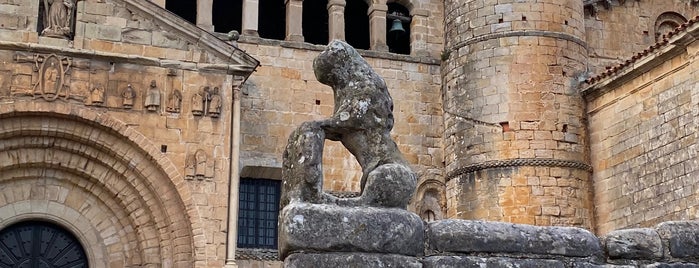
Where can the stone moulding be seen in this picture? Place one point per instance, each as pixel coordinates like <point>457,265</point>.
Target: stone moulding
<point>532,162</point>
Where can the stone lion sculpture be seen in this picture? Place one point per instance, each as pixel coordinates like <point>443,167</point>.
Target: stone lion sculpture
<point>362,121</point>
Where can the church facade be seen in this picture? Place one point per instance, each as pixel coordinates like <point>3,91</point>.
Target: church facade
<point>149,134</point>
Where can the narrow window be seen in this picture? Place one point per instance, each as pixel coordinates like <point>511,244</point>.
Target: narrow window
<point>357,24</point>
<point>272,19</point>
<point>257,213</point>
<point>315,21</point>
<point>398,29</point>
<point>185,9</point>
<point>227,15</point>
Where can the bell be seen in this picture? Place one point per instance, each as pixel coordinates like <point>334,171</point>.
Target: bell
<point>397,27</point>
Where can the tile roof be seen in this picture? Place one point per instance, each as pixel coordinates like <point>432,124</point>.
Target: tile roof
<point>614,69</point>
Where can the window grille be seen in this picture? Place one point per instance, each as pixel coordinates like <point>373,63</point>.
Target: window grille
<point>258,211</point>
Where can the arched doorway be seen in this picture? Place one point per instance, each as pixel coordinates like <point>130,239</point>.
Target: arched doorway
<point>40,244</point>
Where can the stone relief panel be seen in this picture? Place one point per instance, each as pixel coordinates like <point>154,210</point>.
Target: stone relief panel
<point>174,102</point>
<point>214,103</point>
<point>198,102</point>
<point>49,79</point>
<point>127,97</point>
<point>152,102</point>
<point>57,18</point>
<point>96,96</point>
<point>207,102</point>
<point>198,166</point>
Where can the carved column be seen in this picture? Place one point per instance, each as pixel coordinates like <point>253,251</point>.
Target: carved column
<point>377,26</point>
<point>418,32</point>
<point>294,13</point>
<point>251,12</point>
<point>336,19</point>
<point>204,12</point>
<point>234,181</point>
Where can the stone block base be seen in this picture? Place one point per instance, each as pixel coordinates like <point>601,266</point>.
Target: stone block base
<point>350,259</point>
<point>331,228</point>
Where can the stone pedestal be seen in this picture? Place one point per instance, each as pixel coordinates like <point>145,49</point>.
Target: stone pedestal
<point>307,227</point>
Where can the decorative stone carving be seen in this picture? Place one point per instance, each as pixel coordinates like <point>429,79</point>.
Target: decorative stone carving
<point>197,166</point>
<point>52,76</point>
<point>174,102</point>
<point>96,95</point>
<point>214,106</point>
<point>198,102</point>
<point>58,18</point>
<point>374,222</point>
<point>153,98</point>
<point>128,95</point>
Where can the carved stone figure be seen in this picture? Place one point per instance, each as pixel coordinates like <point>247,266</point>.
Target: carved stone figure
<point>97,95</point>
<point>200,168</point>
<point>58,18</point>
<point>52,76</point>
<point>362,121</point>
<point>214,107</point>
<point>375,222</point>
<point>153,98</point>
<point>128,95</point>
<point>198,103</point>
<point>174,102</point>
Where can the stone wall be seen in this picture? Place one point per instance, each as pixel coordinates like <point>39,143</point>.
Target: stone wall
<point>284,92</point>
<point>515,143</point>
<point>627,27</point>
<point>643,135</point>
<point>461,243</point>
<point>103,132</point>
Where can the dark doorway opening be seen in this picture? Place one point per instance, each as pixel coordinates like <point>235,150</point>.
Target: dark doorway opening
<point>40,244</point>
<point>357,24</point>
<point>271,21</point>
<point>227,15</point>
<point>185,9</point>
<point>315,21</point>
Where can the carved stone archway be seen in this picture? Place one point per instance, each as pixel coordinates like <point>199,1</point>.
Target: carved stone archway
<point>104,170</point>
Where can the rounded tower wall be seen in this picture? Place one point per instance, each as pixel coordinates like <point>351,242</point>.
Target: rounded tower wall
<point>515,142</point>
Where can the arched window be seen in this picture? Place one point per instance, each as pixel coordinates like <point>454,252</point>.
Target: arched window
<point>272,19</point>
<point>357,24</point>
<point>227,15</point>
<point>398,29</point>
<point>667,22</point>
<point>315,21</point>
<point>185,9</point>
<point>40,244</point>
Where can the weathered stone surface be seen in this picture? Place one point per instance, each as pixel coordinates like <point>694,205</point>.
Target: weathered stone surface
<point>330,228</point>
<point>341,260</point>
<point>593,265</point>
<point>671,265</point>
<point>362,122</point>
<point>494,262</point>
<point>681,237</point>
<point>642,243</point>
<point>464,236</point>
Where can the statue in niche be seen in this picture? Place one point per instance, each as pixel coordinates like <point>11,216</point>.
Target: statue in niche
<point>128,95</point>
<point>362,121</point>
<point>214,107</point>
<point>198,102</point>
<point>174,102</point>
<point>58,18</point>
<point>97,95</point>
<point>153,98</point>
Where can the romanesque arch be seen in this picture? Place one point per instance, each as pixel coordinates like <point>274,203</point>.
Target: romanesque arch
<point>125,200</point>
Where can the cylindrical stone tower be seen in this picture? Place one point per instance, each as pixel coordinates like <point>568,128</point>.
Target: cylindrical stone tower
<point>515,139</point>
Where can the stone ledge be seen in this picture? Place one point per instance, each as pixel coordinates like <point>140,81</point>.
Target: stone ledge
<point>463,236</point>
<point>330,228</point>
<point>350,259</point>
<point>680,239</point>
<point>641,244</point>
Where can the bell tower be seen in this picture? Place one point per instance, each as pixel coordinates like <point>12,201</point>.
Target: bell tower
<point>515,139</point>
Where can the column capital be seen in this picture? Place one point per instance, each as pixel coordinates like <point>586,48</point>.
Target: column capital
<point>337,3</point>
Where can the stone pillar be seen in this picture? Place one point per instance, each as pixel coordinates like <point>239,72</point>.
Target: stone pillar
<point>377,26</point>
<point>336,19</point>
<point>204,14</point>
<point>250,16</point>
<point>294,22</point>
<point>515,133</point>
<point>418,32</point>
<point>234,182</point>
